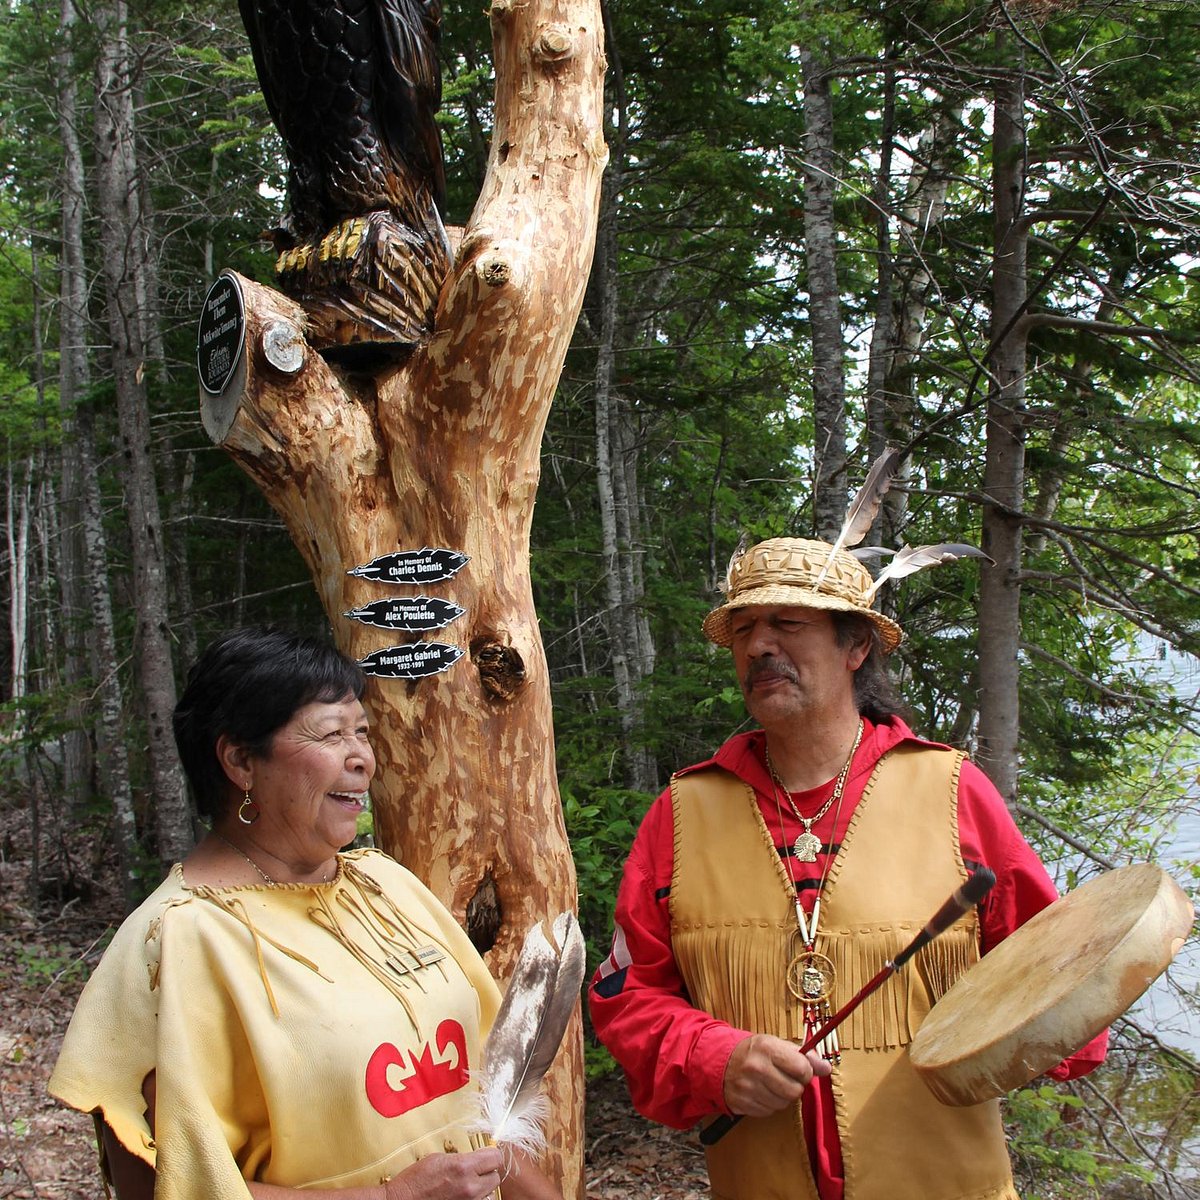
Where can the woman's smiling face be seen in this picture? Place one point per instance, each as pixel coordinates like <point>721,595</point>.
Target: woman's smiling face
<point>310,787</point>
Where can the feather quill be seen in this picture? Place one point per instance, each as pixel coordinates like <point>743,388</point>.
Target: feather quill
<point>526,1035</point>
<point>910,559</point>
<point>864,507</point>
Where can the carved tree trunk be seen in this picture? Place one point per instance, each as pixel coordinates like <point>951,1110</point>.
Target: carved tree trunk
<point>443,451</point>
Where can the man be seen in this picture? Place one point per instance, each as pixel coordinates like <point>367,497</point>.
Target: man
<point>769,883</point>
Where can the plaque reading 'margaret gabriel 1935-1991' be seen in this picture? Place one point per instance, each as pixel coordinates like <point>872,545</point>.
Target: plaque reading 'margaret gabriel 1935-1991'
<point>416,614</point>
<point>427,565</point>
<point>413,661</point>
<point>221,334</point>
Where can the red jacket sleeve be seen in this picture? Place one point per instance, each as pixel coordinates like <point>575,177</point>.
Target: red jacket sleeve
<point>989,837</point>
<point>673,1054</point>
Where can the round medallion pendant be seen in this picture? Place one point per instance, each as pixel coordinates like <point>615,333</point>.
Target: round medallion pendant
<point>811,977</point>
<point>806,847</point>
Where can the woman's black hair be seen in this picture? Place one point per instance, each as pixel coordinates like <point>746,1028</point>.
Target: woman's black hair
<point>246,686</point>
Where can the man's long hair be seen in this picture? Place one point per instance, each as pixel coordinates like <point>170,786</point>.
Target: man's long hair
<point>874,693</point>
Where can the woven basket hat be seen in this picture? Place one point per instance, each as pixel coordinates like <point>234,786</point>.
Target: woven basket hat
<point>784,571</point>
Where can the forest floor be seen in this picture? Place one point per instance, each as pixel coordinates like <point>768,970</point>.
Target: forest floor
<point>47,1152</point>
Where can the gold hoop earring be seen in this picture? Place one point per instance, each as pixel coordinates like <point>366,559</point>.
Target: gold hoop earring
<point>247,804</point>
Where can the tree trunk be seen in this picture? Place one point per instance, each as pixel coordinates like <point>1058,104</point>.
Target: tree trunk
<point>113,755</point>
<point>820,240</point>
<point>1004,469</point>
<point>883,333</point>
<point>443,452</point>
<point>616,458</point>
<point>181,575</point>
<point>623,661</point>
<point>122,242</point>
<point>911,288</point>
<point>72,382</point>
<point>79,457</point>
<point>17,494</point>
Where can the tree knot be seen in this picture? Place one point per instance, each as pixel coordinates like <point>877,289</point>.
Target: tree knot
<point>501,669</point>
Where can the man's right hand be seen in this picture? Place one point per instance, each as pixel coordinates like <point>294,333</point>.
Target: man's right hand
<point>766,1073</point>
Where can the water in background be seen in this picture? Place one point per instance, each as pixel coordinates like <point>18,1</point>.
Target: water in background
<point>1161,1009</point>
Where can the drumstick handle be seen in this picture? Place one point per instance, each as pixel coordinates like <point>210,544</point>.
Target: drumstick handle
<point>978,884</point>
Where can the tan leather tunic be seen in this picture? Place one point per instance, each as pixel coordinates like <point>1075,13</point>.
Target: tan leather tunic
<point>733,924</point>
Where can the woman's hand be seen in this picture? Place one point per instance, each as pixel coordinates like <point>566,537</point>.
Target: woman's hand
<point>525,1181</point>
<point>470,1176</point>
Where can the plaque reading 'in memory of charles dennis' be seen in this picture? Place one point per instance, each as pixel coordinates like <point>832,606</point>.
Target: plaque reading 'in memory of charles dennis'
<point>427,565</point>
<point>415,614</point>
<point>413,661</point>
<point>221,334</point>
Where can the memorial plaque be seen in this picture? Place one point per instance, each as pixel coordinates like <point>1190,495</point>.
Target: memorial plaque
<point>416,614</point>
<point>427,565</point>
<point>412,661</point>
<point>221,335</point>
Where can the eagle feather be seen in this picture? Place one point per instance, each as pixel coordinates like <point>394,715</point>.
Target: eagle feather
<point>528,1030</point>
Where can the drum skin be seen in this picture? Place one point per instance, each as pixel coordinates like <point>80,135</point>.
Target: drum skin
<point>1051,986</point>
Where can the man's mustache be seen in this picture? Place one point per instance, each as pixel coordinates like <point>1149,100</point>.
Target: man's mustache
<point>765,668</point>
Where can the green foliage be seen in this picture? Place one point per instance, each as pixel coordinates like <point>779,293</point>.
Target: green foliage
<point>1061,1150</point>
<point>40,966</point>
<point>600,832</point>
<point>28,414</point>
<point>1042,1140</point>
<point>597,1061</point>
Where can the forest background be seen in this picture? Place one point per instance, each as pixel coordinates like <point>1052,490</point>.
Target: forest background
<point>967,229</point>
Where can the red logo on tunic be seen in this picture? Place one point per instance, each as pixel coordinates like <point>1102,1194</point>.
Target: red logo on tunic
<point>420,1078</point>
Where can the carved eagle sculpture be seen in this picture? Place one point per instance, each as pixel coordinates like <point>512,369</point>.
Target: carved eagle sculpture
<point>353,86</point>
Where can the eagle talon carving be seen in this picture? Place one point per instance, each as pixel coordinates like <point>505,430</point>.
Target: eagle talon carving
<point>353,86</point>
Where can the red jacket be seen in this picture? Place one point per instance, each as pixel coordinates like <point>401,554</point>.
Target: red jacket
<point>674,1055</point>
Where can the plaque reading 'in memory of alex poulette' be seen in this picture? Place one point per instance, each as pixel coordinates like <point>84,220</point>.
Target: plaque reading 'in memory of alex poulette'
<point>221,334</point>
<point>413,661</point>
<point>415,614</point>
<point>427,565</point>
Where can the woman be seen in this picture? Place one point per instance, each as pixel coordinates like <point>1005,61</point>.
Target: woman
<point>279,1015</point>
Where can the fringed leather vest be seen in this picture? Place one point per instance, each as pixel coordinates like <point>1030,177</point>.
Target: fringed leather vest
<point>732,927</point>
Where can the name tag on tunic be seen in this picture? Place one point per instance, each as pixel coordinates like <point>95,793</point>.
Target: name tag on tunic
<point>408,961</point>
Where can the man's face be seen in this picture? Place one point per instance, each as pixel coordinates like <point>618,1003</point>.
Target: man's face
<point>789,663</point>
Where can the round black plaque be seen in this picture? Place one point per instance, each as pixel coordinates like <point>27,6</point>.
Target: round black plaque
<point>221,334</point>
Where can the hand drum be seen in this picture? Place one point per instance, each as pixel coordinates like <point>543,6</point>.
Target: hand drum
<point>1051,986</point>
